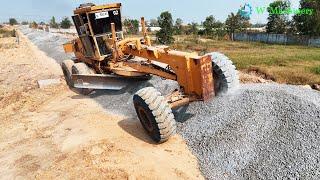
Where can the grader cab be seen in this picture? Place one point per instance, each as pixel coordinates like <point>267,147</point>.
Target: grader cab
<point>104,59</point>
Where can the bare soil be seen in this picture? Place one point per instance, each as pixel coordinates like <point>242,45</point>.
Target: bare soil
<point>54,133</point>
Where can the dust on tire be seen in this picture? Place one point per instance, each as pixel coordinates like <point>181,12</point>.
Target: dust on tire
<point>154,114</point>
<point>225,74</point>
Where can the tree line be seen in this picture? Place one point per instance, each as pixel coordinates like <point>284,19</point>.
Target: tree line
<point>301,24</point>
<point>64,24</point>
<point>210,26</point>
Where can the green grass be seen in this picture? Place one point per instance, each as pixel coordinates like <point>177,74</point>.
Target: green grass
<point>316,70</point>
<point>285,64</point>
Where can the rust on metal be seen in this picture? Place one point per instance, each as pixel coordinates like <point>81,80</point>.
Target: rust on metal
<point>144,32</point>
<point>207,80</point>
<point>97,8</point>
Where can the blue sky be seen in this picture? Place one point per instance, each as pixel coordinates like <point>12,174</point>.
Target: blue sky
<point>189,10</point>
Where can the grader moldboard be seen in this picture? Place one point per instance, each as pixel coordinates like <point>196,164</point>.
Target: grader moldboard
<point>104,59</point>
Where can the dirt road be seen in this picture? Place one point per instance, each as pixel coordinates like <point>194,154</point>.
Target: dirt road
<point>55,133</point>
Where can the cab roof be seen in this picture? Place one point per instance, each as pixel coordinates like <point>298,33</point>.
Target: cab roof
<point>92,7</point>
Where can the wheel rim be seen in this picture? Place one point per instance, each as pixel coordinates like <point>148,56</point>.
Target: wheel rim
<point>145,120</point>
<point>218,87</point>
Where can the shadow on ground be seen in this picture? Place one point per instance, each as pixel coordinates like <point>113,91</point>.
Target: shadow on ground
<point>181,114</point>
<point>133,127</point>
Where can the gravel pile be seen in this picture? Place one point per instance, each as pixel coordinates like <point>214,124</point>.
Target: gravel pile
<point>263,131</point>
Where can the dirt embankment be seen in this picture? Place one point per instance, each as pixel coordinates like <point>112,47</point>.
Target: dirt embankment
<point>56,133</point>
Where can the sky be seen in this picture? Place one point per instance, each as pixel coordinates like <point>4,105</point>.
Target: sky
<point>188,10</point>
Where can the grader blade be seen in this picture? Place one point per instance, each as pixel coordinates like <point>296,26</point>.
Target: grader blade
<point>104,82</point>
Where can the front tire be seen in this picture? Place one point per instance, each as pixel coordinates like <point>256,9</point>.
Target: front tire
<point>154,114</point>
<point>67,71</point>
<point>225,75</point>
<point>82,68</point>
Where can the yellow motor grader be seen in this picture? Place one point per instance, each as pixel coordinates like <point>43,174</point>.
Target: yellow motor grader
<point>104,59</point>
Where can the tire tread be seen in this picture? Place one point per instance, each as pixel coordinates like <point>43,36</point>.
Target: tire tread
<point>161,111</point>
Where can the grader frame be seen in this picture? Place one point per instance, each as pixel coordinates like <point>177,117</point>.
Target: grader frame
<point>102,48</point>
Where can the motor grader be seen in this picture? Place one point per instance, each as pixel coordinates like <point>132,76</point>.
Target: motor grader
<point>104,59</point>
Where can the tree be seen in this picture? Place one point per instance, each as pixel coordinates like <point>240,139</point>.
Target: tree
<point>154,23</point>
<point>232,23</point>
<point>132,26</point>
<point>24,23</point>
<point>178,27</point>
<point>192,29</point>
<point>65,23</point>
<point>165,34</point>
<point>13,21</point>
<point>308,24</point>
<point>277,21</point>
<point>236,22</point>
<point>53,23</point>
<point>210,25</point>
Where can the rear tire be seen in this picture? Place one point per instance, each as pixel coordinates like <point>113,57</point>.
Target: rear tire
<point>82,68</point>
<point>67,71</point>
<point>225,75</point>
<point>155,114</point>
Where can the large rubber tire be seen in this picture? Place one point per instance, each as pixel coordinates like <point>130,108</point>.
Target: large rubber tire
<point>67,71</point>
<point>225,75</point>
<point>155,114</point>
<point>82,68</point>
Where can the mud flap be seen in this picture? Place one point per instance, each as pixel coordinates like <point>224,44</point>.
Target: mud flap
<point>103,81</point>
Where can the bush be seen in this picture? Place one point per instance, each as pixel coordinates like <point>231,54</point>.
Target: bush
<point>7,33</point>
<point>24,23</point>
<point>13,33</point>
<point>13,21</point>
<point>33,25</point>
<point>65,23</point>
<point>192,29</point>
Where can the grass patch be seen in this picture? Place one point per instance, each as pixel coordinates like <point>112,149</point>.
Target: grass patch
<point>316,70</point>
<point>284,63</point>
<point>7,33</point>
